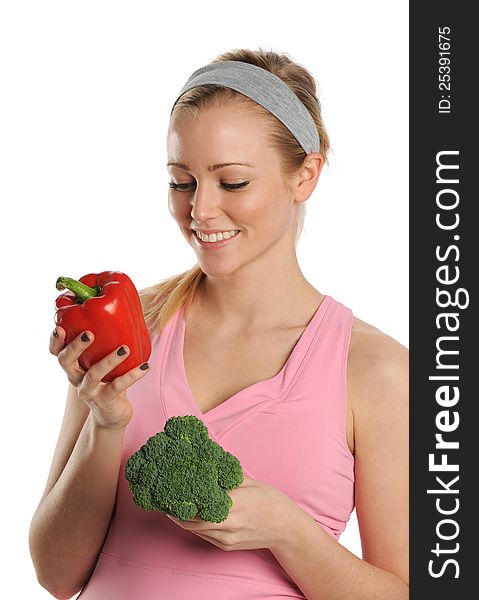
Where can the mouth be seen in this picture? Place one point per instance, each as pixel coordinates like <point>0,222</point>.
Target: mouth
<point>216,240</point>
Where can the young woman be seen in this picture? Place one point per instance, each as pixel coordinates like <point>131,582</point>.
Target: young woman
<point>310,399</point>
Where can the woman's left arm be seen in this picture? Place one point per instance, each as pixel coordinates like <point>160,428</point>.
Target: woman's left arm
<point>324,569</point>
<point>262,516</point>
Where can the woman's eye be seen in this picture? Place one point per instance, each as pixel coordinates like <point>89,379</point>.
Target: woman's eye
<point>179,186</point>
<point>235,186</point>
<point>228,186</point>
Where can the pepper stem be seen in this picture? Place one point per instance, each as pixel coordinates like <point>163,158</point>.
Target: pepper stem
<point>81,291</point>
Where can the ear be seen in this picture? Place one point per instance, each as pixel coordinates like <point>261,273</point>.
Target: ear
<point>307,178</point>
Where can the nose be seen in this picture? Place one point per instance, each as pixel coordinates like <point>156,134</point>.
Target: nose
<point>205,203</point>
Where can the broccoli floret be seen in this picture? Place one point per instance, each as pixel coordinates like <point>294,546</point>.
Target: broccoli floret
<point>181,471</point>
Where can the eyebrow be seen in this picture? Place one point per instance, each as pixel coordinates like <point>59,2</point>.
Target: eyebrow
<point>210,168</point>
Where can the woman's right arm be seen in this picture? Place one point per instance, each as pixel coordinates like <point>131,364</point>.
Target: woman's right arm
<point>72,519</point>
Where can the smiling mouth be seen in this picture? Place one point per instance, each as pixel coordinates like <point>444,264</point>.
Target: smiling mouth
<point>216,237</point>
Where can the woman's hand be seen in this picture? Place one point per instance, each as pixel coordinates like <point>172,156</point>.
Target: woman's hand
<point>257,518</point>
<point>107,402</point>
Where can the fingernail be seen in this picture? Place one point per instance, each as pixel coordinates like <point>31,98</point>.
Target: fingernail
<point>55,332</point>
<point>145,366</point>
<point>121,351</point>
<point>85,338</point>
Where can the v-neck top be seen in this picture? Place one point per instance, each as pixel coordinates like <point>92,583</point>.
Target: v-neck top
<point>288,431</point>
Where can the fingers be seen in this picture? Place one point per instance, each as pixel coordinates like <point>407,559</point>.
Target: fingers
<point>96,372</point>
<point>57,340</point>
<point>88,390</point>
<point>121,383</point>
<point>88,382</point>
<point>68,354</point>
<point>202,529</point>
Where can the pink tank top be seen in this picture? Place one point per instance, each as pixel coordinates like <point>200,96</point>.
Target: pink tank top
<point>288,431</point>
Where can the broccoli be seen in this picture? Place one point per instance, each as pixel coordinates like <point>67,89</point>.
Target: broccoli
<point>181,471</point>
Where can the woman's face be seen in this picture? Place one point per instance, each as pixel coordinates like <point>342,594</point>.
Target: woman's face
<point>250,197</point>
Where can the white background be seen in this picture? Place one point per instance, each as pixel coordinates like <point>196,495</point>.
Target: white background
<point>87,89</point>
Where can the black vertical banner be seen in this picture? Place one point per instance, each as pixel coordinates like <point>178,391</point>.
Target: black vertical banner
<point>444,259</point>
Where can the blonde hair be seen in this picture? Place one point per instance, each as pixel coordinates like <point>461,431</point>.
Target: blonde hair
<point>161,300</point>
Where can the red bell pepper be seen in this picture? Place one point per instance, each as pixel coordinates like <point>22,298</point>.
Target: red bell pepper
<point>107,304</point>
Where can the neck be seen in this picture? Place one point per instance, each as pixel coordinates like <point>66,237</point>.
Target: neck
<point>258,296</point>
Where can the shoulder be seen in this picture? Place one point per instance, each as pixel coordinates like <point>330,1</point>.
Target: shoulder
<point>378,384</point>
<point>378,370</point>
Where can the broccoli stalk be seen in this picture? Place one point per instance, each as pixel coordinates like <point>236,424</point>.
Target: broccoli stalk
<point>181,471</point>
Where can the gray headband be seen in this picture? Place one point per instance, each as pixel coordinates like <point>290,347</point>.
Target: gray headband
<point>266,89</point>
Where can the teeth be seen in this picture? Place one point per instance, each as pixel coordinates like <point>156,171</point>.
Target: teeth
<point>215,237</point>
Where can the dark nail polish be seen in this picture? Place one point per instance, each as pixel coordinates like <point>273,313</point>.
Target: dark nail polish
<point>145,366</point>
<point>85,338</point>
<point>55,333</point>
<point>121,351</point>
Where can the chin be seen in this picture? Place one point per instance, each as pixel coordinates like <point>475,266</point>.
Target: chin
<point>217,270</point>
<point>215,273</point>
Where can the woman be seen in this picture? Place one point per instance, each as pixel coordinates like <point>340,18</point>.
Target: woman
<point>311,400</point>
